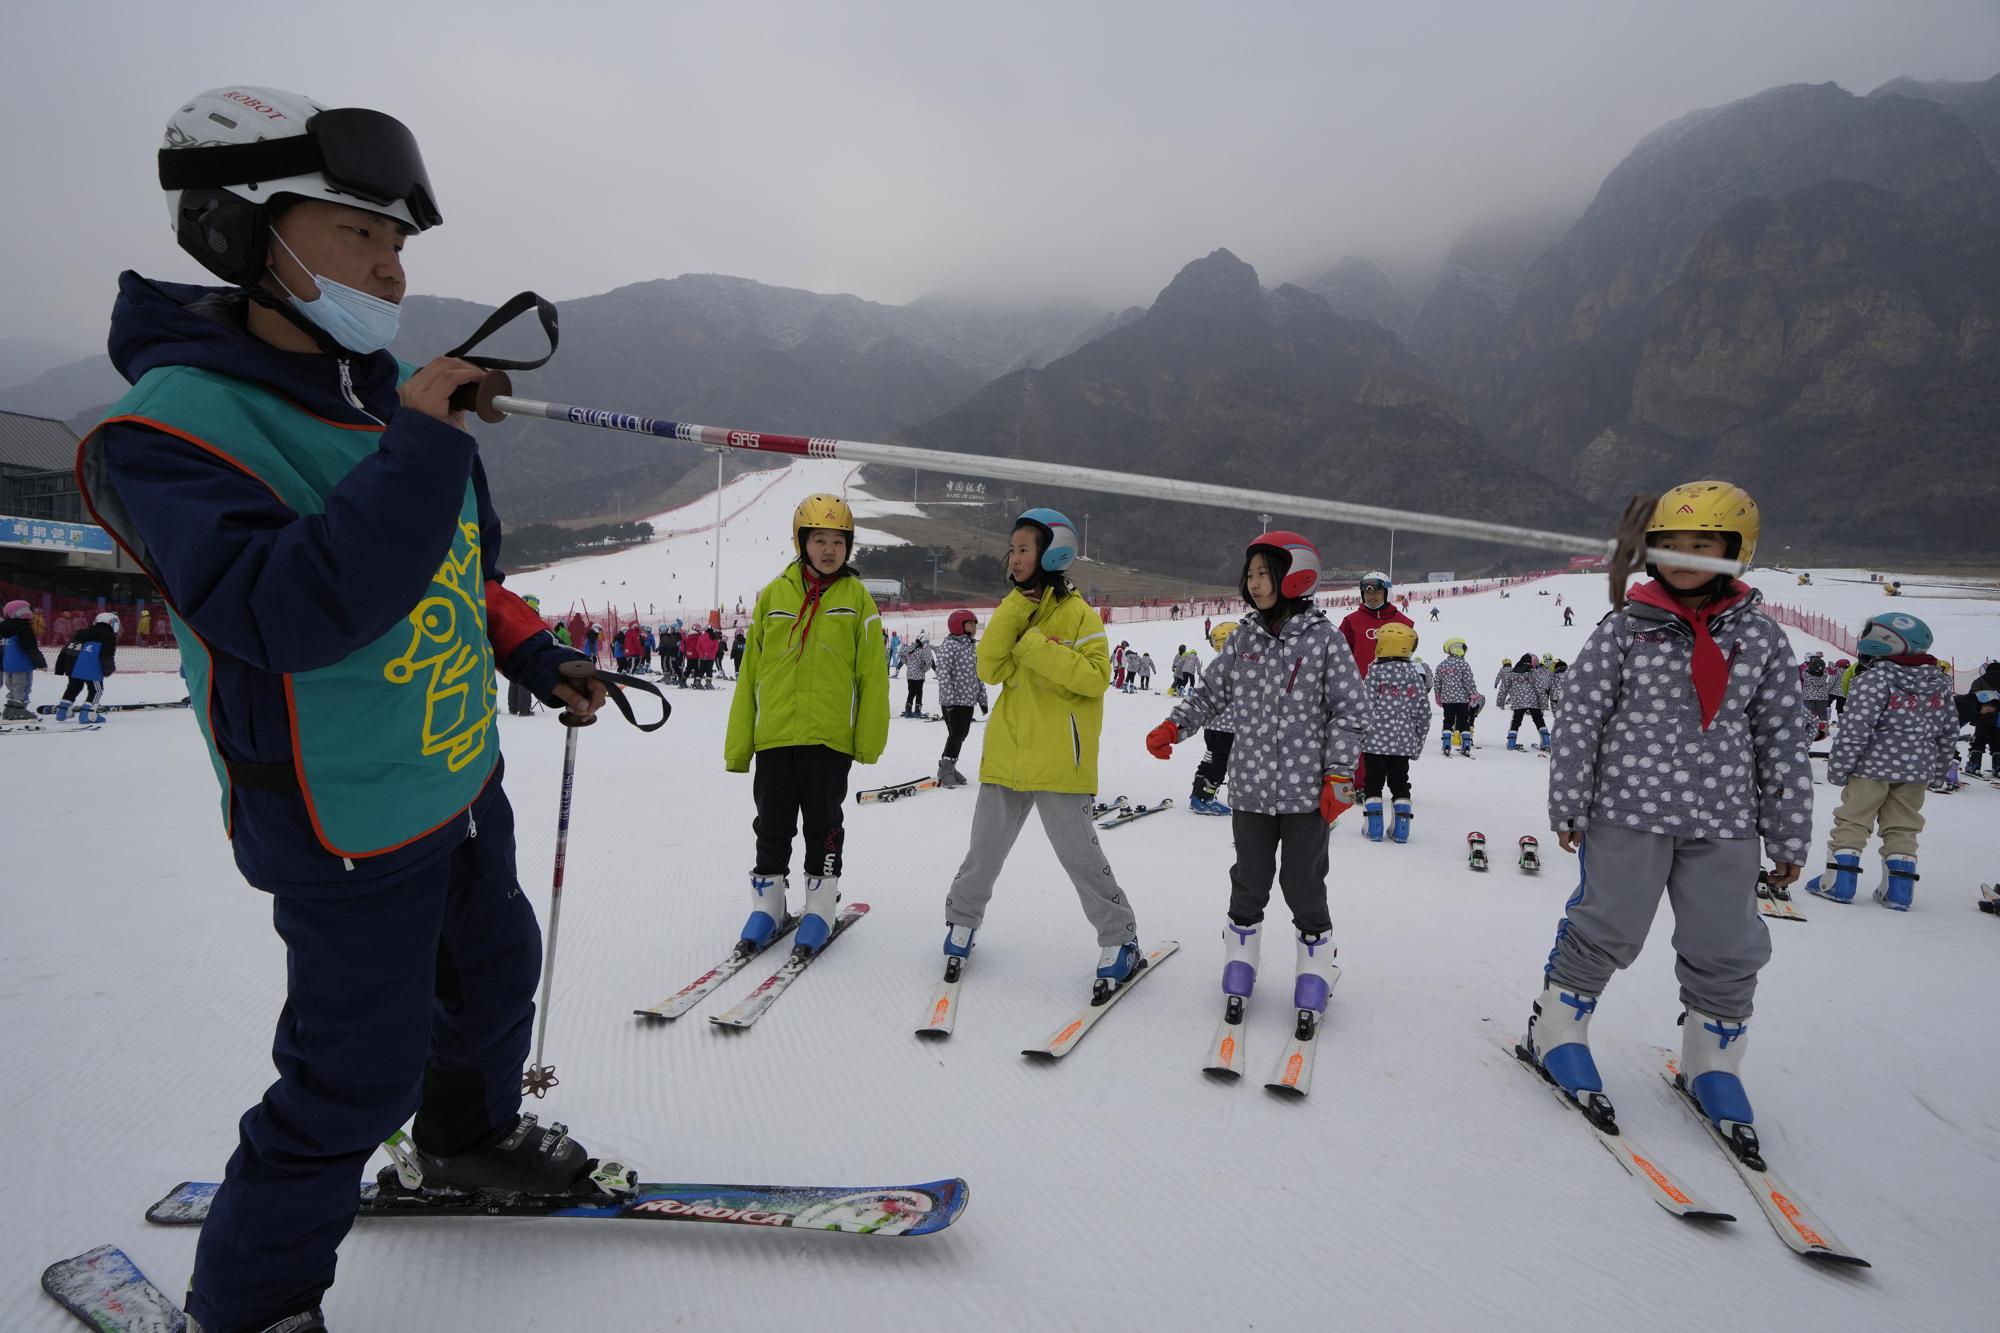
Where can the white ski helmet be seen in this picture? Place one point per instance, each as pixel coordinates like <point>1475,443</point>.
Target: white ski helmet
<point>230,152</point>
<point>1375,578</point>
<point>111,619</point>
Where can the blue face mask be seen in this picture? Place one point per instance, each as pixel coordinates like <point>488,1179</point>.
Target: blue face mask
<point>354,319</point>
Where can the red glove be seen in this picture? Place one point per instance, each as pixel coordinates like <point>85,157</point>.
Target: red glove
<point>1160,740</point>
<point>1336,794</point>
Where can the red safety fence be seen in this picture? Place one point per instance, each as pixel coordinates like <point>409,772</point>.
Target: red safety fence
<point>145,635</point>
<point>1824,628</point>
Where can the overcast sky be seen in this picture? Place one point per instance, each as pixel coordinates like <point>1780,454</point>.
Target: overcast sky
<point>1032,149</point>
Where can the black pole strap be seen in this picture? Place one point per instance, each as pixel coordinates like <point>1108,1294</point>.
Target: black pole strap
<point>578,669</point>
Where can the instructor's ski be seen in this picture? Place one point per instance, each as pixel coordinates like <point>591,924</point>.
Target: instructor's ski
<point>1790,1216</point>
<point>106,1290</point>
<point>1661,1185</point>
<point>690,995</point>
<point>897,1210</point>
<point>752,1006</point>
<point>1070,1033</point>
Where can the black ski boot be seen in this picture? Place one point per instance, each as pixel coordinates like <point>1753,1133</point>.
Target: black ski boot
<point>523,1158</point>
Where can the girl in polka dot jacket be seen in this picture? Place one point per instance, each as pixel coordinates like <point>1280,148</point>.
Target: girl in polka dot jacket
<point>1287,677</point>
<point>1680,745</point>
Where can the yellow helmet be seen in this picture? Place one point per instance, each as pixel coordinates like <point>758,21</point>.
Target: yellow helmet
<point>1395,639</point>
<point>1220,634</point>
<point>1710,506</point>
<point>822,511</point>
<point>1506,661</point>
<point>1454,647</point>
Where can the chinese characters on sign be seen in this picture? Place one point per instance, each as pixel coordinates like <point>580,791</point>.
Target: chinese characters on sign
<point>47,534</point>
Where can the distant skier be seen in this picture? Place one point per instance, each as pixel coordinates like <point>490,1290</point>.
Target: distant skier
<point>20,658</point>
<point>92,656</point>
<point>1656,675</point>
<point>1363,621</point>
<point>1399,716</point>
<point>811,701</point>
<point>959,690</point>
<point>1044,647</point>
<point>1289,678</point>
<point>1521,690</point>
<point>1569,616</point>
<point>919,658</point>
<point>1218,737</point>
<point>1899,734</point>
<point>1816,682</point>
<point>1455,686</point>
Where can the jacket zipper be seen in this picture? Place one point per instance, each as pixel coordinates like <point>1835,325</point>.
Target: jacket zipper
<point>1295,674</point>
<point>471,824</point>
<point>354,399</point>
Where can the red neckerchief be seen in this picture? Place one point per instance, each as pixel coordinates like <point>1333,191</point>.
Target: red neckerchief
<point>1707,666</point>
<point>815,587</point>
<point>1914,659</point>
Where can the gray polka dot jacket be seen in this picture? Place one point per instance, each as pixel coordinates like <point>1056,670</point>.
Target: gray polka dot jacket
<point>1399,707</point>
<point>1296,703</point>
<point>1455,682</point>
<point>1629,748</point>
<point>1520,689</point>
<point>1816,687</point>
<point>958,673</point>
<point>1901,725</point>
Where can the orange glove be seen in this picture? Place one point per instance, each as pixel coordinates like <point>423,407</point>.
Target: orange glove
<point>1336,794</point>
<point>1160,740</point>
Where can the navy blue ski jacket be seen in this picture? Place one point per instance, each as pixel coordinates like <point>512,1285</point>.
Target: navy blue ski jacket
<point>275,592</point>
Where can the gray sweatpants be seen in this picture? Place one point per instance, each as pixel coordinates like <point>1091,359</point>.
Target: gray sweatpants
<point>1720,939</point>
<point>996,823</point>
<point>18,683</point>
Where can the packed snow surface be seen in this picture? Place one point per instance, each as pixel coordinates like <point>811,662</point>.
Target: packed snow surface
<point>1428,1182</point>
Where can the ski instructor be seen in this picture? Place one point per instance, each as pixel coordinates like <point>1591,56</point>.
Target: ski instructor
<point>317,519</point>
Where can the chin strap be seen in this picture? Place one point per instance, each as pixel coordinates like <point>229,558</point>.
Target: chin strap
<point>323,340</point>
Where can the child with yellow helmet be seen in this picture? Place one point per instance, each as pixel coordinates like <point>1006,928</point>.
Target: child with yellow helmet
<point>1455,686</point>
<point>812,698</point>
<point>1681,746</point>
<point>1398,690</point>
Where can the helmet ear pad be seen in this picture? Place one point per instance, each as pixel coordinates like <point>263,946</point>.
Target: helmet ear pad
<point>226,232</point>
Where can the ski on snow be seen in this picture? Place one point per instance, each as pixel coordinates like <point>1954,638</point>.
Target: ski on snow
<point>752,1006</point>
<point>1226,1053</point>
<point>690,995</point>
<point>895,1210</point>
<point>1293,1074</point>
<point>1989,899</point>
<point>1661,1185</point>
<point>106,1290</point>
<point>1774,901</point>
<point>1069,1034</point>
<point>46,729</point>
<point>941,1015</point>
<point>47,709</point>
<point>884,795</point>
<point>1131,812</point>
<point>1790,1216</point>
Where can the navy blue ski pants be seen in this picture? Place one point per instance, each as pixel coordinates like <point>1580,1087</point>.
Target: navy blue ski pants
<point>417,995</point>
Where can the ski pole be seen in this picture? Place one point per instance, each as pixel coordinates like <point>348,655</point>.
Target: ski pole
<point>540,1077</point>
<point>1625,552</point>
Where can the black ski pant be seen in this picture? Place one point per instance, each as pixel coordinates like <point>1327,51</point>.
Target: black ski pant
<point>1393,769</point>
<point>1302,836</point>
<point>78,684</point>
<point>1986,737</point>
<point>1534,713</point>
<point>1214,766</point>
<point>410,994</point>
<point>913,697</point>
<point>520,700</point>
<point>1458,717</point>
<point>957,721</point>
<point>791,781</point>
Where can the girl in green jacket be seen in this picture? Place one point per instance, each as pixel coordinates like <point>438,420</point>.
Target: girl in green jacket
<point>1045,648</point>
<point>812,697</point>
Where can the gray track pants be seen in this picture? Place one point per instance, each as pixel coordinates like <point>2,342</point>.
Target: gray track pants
<point>1719,935</point>
<point>996,823</point>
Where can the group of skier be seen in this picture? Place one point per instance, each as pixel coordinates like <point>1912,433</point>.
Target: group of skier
<point>87,660</point>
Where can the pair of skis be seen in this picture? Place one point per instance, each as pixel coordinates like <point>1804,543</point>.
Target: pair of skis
<point>1292,1075</point>
<point>1989,899</point>
<point>1790,1217</point>
<point>47,729</point>
<point>107,1291</point>
<point>1529,858</point>
<point>885,795</point>
<point>1126,814</point>
<point>941,1014</point>
<point>753,1006</point>
<point>46,709</point>
<point>1775,900</point>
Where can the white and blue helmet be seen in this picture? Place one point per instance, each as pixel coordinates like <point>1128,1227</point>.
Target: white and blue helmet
<point>1060,550</point>
<point>1894,635</point>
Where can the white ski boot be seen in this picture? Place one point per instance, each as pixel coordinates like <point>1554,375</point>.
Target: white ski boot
<point>1558,1044</point>
<point>816,917</point>
<point>1711,1054</point>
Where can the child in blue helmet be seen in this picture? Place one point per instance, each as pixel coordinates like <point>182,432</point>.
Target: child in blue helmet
<point>1897,735</point>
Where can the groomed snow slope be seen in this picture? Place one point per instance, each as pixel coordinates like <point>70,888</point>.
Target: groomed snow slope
<point>1428,1182</point>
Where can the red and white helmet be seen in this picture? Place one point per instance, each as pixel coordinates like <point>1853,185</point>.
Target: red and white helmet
<point>1300,574</point>
<point>18,610</point>
<point>230,151</point>
<point>962,622</point>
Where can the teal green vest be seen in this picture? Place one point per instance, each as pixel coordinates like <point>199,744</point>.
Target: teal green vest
<point>397,738</point>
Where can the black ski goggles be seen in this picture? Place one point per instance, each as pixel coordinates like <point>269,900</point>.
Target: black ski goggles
<point>364,153</point>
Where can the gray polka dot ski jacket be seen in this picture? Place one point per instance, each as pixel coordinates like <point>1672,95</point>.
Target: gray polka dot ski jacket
<point>1629,748</point>
<point>1399,707</point>
<point>958,673</point>
<point>1455,683</point>
<point>1297,706</point>
<point>1901,725</point>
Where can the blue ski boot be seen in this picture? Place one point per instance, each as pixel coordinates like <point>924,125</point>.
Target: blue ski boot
<point>1465,742</point>
<point>958,941</point>
<point>1372,819</point>
<point>1545,738</point>
<point>1401,831</point>
<point>1558,1044</point>
<point>1513,742</point>
<point>1839,880</point>
<point>1116,965</point>
<point>767,911</point>
<point>1899,882</point>
<point>1711,1054</point>
<point>62,711</point>
<point>1444,743</point>
<point>816,918</point>
<point>1203,801</point>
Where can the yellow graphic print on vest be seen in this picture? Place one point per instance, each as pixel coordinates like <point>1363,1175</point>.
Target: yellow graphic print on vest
<point>446,629</point>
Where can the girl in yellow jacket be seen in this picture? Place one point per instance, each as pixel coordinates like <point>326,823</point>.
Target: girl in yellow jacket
<point>812,697</point>
<point>1045,648</point>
